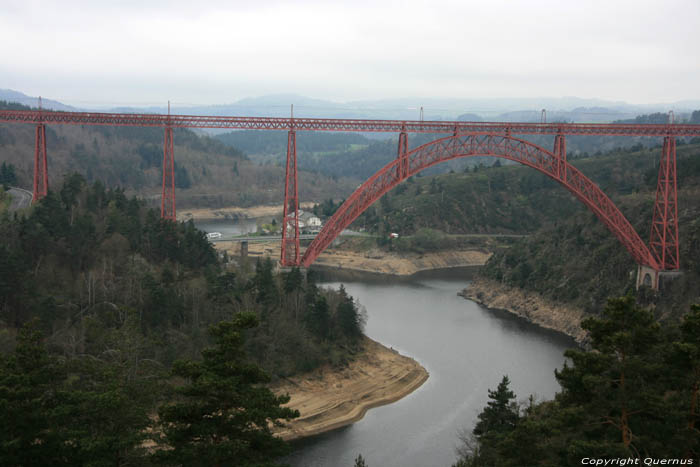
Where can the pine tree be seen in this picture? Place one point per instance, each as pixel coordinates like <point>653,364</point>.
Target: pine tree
<point>347,317</point>
<point>7,174</point>
<point>360,461</point>
<point>685,358</point>
<point>318,317</point>
<point>499,418</point>
<point>224,413</point>
<point>500,414</point>
<point>28,404</point>
<point>614,388</point>
<point>293,280</point>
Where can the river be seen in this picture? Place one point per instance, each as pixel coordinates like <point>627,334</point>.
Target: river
<point>466,349</point>
<point>228,228</point>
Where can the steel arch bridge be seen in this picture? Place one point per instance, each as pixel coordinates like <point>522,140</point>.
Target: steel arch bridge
<point>452,147</point>
<point>466,139</point>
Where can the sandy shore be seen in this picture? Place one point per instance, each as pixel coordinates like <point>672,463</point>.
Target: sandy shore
<point>529,305</point>
<point>375,260</point>
<point>401,265</point>
<point>329,398</point>
<point>233,212</point>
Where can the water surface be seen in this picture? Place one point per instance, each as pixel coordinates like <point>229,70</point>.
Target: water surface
<point>465,348</point>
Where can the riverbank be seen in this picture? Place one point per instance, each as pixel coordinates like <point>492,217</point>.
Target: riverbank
<point>403,264</point>
<point>329,398</point>
<point>373,261</point>
<point>528,305</point>
<point>234,212</point>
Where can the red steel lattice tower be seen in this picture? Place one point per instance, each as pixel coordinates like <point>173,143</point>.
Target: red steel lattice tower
<point>167,202</point>
<point>402,167</point>
<point>560,152</point>
<point>664,226</point>
<point>41,173</point>
<point>290,215</point>
<point>167,199</point>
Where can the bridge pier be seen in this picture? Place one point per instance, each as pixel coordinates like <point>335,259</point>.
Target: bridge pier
<point>648,277</point>
<point>560,152</point>
<point>402,167</point>
<point>290,216</point>
<point>41,172</point>
<point>167,201</point>
<point>663,241</point>
<point>655,280</point>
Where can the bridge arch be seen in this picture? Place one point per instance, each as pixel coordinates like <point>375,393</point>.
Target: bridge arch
<point>467,145</point>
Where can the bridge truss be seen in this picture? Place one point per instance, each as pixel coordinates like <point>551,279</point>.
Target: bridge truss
<point>466,139</point>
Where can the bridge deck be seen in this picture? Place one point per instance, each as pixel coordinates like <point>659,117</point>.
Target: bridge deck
<point>345,125</point>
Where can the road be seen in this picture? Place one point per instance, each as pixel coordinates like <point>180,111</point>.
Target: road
<point>346,233</point>
<point>272,238</point>
<point>20,198</point>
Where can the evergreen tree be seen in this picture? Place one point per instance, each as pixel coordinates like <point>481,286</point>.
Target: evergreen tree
<point>293,280</point>
<point>360,461</point>
<point>104,416</point>
<point>614,388</point>
<point>347,317</point>
<point>58,412</point>
<point>224,414</point>
<point>182,177</point>
<point>318,319</point>
<point>7,174</point>
<point>29,404</point>
<point>500,414</point>
<point>264,282</point>
<point>498,419</point>
<point>685,358</point>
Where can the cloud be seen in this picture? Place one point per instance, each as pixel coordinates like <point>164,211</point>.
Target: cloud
<point>213,52</point>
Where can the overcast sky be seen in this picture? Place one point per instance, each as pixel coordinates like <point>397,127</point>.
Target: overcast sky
<point>140,52</point>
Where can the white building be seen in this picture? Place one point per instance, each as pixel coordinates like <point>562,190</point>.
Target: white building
<point>309,221</point>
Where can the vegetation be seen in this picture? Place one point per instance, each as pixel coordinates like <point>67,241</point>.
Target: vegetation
<point>223,415</point>
<point>333,154</point>
<point>5,200</point>
<point>567,244</point>
<point>580,251</point>
<point>360,461</point>
<point>256,142</point>
<point>208,173</point>
<point>634,396</point>
<point>7,174</point>
<point>104,311</point>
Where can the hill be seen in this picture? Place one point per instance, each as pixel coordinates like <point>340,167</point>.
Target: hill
<point>569,256</point>
<point>333,154</point>
<point>104,312</point>
<point>208,173</point>
<point>17,97</point>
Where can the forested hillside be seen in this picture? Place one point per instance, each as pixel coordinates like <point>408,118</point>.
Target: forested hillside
<point>358,156</point>
<point>634,397</point>
<point>208,173</point>
<point>569,256</point>
<point>334,154</point>
<point>577,260</point>
<point>104,312</point>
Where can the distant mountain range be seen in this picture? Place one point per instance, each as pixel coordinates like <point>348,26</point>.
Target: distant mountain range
<point>15,96</point>
<point>517,109</point>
